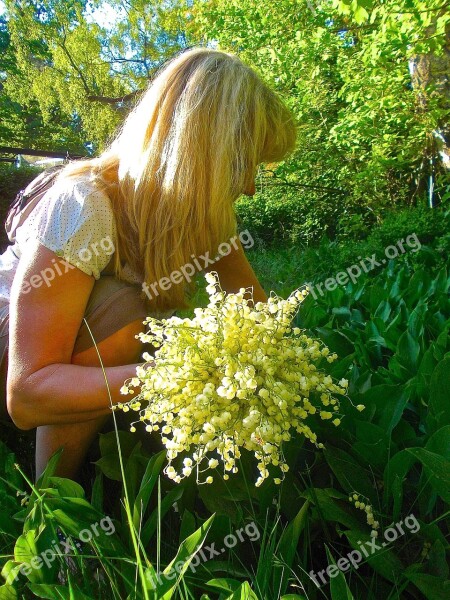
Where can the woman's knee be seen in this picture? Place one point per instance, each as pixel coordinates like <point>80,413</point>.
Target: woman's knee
<point>120,348</point>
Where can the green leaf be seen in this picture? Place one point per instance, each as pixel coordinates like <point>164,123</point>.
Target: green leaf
<point>383,561</point>
<point>394,476</point>
<point>7,592</point>
<point>187,525</point>
<point>360,15</point>
<point>97,493</point>
<point>408,351</point>
<point>338,585</point>
<point>372,444</point>
<point>44,480</point>
<point>439,442</point>
<point>439,404</point>
<point>147,485</point>
<point>66,487</point>
<point>333,506</point>
<point>287,547</point>
<point>389,402</point>
<point>175,570</point>
<point>149,529</point>
<point>433,588</point>
<point>10,571</point>
<point>25,550</point>
<point>244,592</point>
<point>109,463</point>
<point>350,475</point>
<point>336,341</point>
<point>224,584</point>
<point>437,468</point>
<point>437,561</point>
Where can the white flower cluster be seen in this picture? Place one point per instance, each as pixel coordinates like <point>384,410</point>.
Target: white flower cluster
<point>237,375</point>
<point>357,500</point>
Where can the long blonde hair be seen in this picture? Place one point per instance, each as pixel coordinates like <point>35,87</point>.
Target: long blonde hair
<point>181,159</point>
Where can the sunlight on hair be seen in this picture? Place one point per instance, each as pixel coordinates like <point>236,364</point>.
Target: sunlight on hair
<point>182,158</point>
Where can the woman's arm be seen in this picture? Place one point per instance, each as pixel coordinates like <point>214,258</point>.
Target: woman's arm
<point>235,272</point>
<point>43,386</point>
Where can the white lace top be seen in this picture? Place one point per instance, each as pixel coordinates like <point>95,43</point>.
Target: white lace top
<point>75,220</point>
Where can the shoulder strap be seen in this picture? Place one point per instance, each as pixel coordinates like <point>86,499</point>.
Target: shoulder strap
<point>27,199</point>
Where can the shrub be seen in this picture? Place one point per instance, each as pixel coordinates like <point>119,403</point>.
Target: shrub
<point>12,180</point>
<point>283,215</point>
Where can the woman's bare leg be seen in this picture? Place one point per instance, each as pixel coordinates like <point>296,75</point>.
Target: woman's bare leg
<point>119,349</point>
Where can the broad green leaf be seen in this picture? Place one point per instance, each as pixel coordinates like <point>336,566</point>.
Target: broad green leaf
<point>433,588</point>
<point>408,352</point>
<point>244,592</point>
<point>360,15</point>
<point>336,341</point>
<point>7,592</point>
<point>372,444</point>
<point>10,571</point>
<point>439,442</point>
<point>109,462</point>
<point>389,402</point>
<point>66,487</point>
<point>188,524</point>
<point>26,551</point>
<point>438,564</point>
<point>150,525</point>
<point>44,480</point>
<point>350,475</point>
<point>439,404</point>
<point>224,584</point>
<point>147,485</point>
<point>333,506</point>
<point>394,476</point>
<point>338,585</point>
<point>175,570</point>
<point>383,560</point>
<point>437,468</point>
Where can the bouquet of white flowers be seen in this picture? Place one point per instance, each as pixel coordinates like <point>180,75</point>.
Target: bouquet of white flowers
<point>237,375</point>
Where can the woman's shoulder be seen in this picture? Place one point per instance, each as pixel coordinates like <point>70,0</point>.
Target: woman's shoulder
<point>72,203</point>
<point>73,217</point>
<point>79,192</point>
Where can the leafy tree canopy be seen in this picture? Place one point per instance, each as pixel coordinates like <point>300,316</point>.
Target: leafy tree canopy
<point>345,66</point>
<point>76,73</point>
<point>366,79</point>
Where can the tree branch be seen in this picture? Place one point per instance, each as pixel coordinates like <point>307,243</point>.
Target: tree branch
<point>302,185</point>
<point>74,66</point>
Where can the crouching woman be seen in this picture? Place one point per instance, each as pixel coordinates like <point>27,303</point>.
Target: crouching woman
<point>160,195</point>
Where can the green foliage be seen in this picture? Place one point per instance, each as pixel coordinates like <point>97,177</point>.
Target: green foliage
<point>390,330</point>
<point>69,74</point>
<point>278,215</point>
<point>12,180</point>
<point>364,138</point>
<point>275,215</point>
<point>364,127</point>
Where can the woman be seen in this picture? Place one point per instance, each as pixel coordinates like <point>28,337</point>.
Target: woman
<point>159,196</point>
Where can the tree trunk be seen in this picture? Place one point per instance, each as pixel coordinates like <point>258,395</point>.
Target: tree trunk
<point>430,77</point>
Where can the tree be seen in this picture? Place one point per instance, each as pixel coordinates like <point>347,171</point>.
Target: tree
<point>82,72</point>
<point>343,68</point>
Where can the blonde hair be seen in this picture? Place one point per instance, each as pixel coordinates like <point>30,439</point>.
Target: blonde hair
<point>181,159</point>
